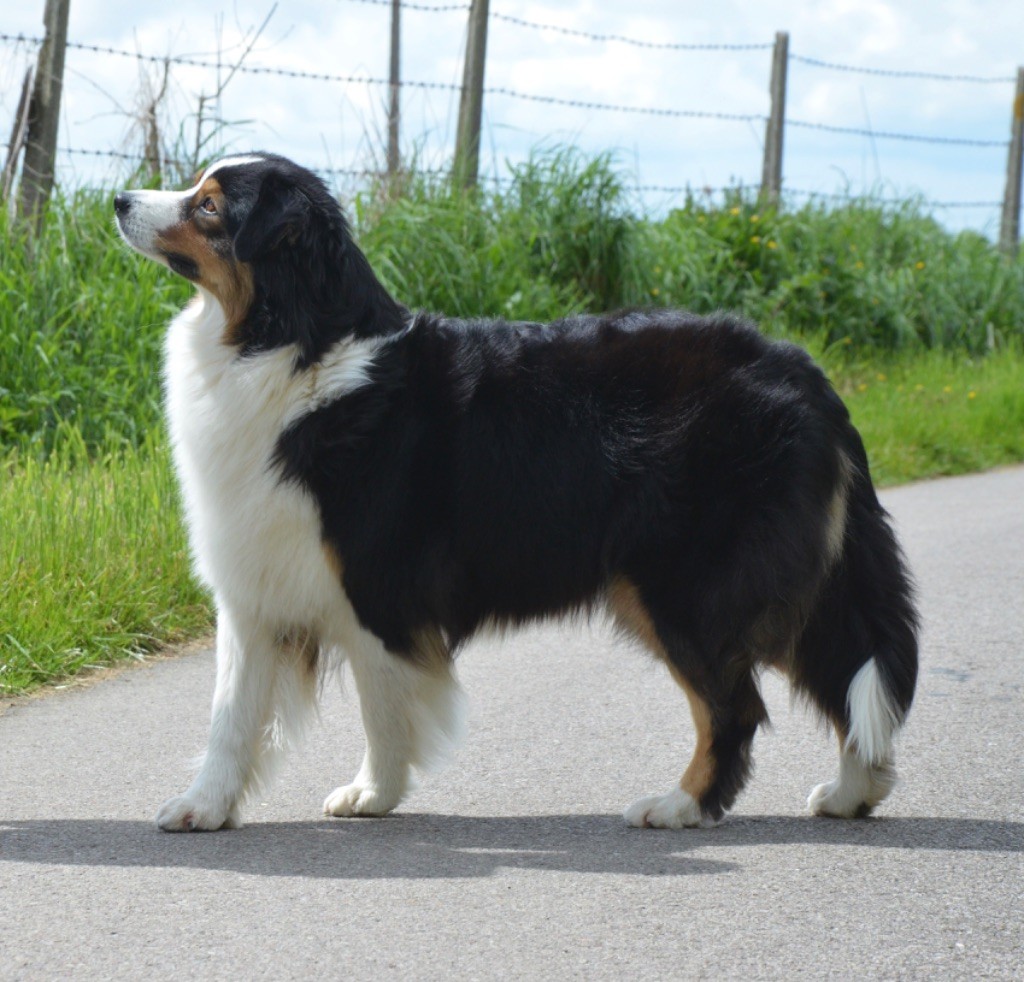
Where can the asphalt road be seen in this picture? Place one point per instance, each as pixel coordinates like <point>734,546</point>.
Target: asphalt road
<point>514,862</point>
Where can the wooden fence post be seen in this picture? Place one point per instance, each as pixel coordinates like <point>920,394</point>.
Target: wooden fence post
<point>771,172</point>
<point>44,113</point>
<point>17,141</point>
<point>394,84</point>
<point>467,140</point>
<point>1009,228</point>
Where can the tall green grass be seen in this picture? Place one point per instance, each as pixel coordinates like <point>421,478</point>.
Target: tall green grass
<point>81,323</point>
<point>922,331</point>
<point>93,561</point>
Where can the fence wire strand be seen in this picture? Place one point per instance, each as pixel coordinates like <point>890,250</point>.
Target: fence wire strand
<point>684,189</point>
<point>621,39</point>
<point>572,32</point>
<point>897,73</point>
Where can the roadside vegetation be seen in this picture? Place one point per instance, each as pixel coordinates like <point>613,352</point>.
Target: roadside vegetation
<point>922,332</point>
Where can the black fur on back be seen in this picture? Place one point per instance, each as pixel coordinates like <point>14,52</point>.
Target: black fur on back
<point>501,471</point>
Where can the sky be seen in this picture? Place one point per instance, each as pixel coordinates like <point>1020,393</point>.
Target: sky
<point>342,125</point>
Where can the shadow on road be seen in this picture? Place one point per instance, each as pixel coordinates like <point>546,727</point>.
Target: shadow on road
<point>444,846</point>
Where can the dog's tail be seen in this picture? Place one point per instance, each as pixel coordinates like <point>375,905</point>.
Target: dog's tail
<point>857,655</point>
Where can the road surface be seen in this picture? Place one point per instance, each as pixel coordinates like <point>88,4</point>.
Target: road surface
<point>514,862</point>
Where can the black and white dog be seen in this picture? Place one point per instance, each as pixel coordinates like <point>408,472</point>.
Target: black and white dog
<point>375,486</point>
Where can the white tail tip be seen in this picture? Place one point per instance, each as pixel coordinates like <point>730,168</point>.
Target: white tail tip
<point>873,717</point>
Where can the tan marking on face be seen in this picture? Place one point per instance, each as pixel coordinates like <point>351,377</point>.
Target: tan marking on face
<point>210,188</point>
<point>631,614</point>
<point>200,239</point>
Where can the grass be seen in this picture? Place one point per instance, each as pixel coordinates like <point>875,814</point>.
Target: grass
<point>93,562</point>
<point>922,332</point>
<point>81,323</point>
<point>933,414</point>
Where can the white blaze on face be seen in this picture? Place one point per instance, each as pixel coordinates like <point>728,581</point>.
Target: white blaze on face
<point>228,162</point>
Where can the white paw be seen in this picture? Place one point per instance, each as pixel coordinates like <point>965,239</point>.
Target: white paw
<point>675,810</point>
<point>359,800</point>
<point>192,813</point>
<point>856,791</point>
<point>830,800</point>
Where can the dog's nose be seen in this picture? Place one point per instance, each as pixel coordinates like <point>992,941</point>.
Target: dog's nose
<point>122,203</point>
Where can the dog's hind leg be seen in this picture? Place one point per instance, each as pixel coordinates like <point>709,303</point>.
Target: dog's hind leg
<point>725,720</point>
<point>721,760</point>
<point>412,710</point>
<point>248,663</point>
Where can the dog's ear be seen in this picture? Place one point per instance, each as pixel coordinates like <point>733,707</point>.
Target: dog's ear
<point>278,215</point>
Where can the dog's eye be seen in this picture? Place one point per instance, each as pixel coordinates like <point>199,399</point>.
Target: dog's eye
<point>208,206</point>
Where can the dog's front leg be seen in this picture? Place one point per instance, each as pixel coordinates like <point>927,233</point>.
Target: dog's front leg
<point>246,666</point>
<point>412,711</point>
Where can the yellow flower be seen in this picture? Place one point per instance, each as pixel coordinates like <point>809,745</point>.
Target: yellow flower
<point>772,244</point>
<point>755,239</point>
<point>881,376</point>
<point>918,265</point>
<point>655,291</point>
<point>947,389</point>
<point>972,395</point>
<point>755,218</point>
<point>858,265</point>
<point>734,211</point>
<point>863,387</point>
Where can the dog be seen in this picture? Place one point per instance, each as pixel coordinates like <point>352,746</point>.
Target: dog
<point>371,485</point>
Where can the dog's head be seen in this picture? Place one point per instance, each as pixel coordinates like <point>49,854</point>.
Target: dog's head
<point>268,242</point>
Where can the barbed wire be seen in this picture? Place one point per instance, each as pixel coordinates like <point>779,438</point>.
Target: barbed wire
<point>898,73</point>
<point>683,46</point>
<point>664,45</point>
<point>613,107</point>
<point>688,189</point>
<point>249,69</point>
<point>889,135</point>
<point>406,83</point>
<point>873,199</point>
<point>635,42</point>
<point>571,32</point>
<point>427,7</point>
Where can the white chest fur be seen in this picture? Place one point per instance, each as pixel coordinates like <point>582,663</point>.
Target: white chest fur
<point>255,538</point>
